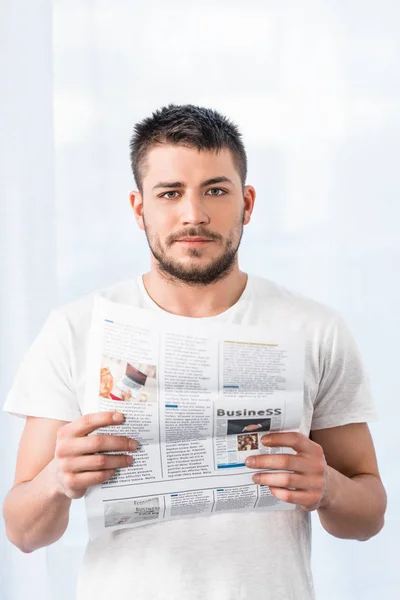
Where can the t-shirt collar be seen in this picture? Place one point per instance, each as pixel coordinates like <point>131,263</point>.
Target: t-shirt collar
<point>221,316</point>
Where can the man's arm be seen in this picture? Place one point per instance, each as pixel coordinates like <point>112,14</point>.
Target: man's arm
<point>354,503</point>
<point>58,461</point>
<point>335,473</point>
<point>35,512</point>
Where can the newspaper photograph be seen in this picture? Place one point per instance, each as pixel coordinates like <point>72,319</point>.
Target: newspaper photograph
<point>197,397</point>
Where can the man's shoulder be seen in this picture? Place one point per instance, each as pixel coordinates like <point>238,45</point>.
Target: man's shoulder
<point>80,310</point>
<point>290,303</point>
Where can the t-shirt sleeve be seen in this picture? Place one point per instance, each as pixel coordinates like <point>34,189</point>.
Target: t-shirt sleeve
<point>344,394</point>
<point>43,386</point>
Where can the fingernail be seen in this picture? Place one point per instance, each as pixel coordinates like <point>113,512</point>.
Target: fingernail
<point>132,445</point>
<point>265,440</point>
<point>250,461</point>
<point>118,417</point>
<point>129,460</point>
<point>256,478</point>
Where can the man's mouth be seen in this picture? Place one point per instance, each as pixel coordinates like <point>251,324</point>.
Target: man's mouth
<point>194,240</point>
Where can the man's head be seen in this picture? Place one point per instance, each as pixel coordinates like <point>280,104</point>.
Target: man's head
<point>190,167</point>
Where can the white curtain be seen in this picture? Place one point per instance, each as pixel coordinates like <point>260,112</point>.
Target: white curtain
<point>314,87</point>
<point>28,267</point>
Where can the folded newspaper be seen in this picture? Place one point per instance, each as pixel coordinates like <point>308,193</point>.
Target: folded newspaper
<point>197,396</point>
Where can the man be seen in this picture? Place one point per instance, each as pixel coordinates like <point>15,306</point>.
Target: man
<point>190,167</point>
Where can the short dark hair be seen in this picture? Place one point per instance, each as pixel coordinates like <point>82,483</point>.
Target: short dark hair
<point>188,125</point>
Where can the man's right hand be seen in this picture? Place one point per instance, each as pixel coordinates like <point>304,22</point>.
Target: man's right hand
<point>78,464</point>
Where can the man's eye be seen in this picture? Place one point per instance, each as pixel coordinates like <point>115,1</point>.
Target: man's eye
<point>168,197</point>
<point>219,191</point>
<point>216,190</point>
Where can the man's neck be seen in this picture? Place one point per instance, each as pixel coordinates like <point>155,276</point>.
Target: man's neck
<point>185,300</point>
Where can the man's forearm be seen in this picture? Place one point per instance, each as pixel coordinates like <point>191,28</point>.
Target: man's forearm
<point>354,507</point>
<point>36,513</point>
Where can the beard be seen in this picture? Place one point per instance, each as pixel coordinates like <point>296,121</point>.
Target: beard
<point>193,275</point>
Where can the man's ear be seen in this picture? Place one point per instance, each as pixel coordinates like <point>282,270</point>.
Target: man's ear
<point>136,201</point>
<point>249,197</point>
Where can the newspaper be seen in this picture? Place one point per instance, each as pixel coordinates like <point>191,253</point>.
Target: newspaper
<point>197,396</point>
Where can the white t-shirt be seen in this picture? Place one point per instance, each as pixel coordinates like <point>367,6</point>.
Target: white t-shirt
<point>227,556</point>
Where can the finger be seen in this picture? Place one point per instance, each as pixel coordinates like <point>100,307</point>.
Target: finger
<point>286,480</point>
<point>89,423</point>
<point>286,462</point>
<point>289,439</point>
<point>95,443</point>
<point>308,500</point>
<point>95,462</point>
<point>81,481</point>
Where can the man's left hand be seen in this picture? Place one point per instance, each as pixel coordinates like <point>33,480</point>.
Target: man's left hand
<point>306,483</point>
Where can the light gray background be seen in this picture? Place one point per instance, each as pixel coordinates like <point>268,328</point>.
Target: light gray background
<point>314,86</point>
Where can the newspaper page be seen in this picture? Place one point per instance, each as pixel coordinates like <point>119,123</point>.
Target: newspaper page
<point>197,397</point>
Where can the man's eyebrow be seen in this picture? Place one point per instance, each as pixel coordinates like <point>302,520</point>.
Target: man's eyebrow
<point>169,184</point>
<point>179,184</point>
<point>213,180</point>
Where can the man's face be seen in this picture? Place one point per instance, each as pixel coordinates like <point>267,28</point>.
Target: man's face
<point>193,210</point>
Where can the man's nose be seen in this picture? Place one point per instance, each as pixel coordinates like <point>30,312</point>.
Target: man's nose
<point>193,210</point>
